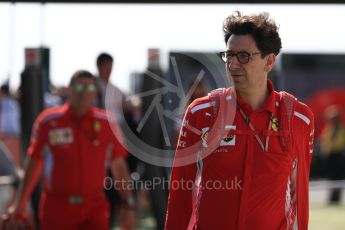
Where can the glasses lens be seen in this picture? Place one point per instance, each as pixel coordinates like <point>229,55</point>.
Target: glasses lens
<point>243,57</point>
<point>91,88</point>
<point>226,56</point>
<point>222,56</point>
<point>78,87</point>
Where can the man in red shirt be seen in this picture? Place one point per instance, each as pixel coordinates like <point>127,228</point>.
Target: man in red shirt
<point>252,163</point>
<point>81,143</point>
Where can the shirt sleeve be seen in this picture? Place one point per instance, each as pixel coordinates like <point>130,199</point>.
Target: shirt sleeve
<point>303,171</point>
<point>38,139</point>
<point>182,179</point>
<point>117,140</point>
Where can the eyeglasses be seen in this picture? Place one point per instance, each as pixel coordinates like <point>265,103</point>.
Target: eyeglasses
<point>243,57</point>
<point>88,88</point>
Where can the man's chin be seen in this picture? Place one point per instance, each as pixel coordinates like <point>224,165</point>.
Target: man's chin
<point>238,85</point>
<point>237,81</point>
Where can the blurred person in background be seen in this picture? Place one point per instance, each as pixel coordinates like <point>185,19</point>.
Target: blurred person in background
<point>10,159</point>
<point>116,97</point>
<point>57,96</point>
<point>332,145</point>
<point>152,134</point>
<point>133,114</point>
<point>81,144</point>
<point>105,63</point>
<point>10,123</point>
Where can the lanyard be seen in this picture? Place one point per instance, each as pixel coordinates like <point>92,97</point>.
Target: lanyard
<point>247,121</point>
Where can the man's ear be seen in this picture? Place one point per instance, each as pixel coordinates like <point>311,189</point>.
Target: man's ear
<point>270,61</point>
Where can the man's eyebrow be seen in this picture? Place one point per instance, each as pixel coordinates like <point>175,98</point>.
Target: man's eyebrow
<point>239,51</point>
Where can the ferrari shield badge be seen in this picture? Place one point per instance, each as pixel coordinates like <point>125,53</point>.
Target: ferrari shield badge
<point>275,124</point>
<point>204,136</point>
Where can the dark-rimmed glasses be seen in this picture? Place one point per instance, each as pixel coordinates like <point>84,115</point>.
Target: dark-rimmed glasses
<point>243,57</point>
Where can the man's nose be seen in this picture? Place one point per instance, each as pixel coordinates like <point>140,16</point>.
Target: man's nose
<point>234,63</point>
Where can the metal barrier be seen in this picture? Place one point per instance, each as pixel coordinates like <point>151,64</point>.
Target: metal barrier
<point>326,184</point>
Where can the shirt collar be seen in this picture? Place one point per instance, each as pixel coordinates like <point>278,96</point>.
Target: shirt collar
<point>69,112</point>
<point>269,104</point>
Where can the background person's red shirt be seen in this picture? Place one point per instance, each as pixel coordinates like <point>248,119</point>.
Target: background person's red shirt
<point>80,147</point>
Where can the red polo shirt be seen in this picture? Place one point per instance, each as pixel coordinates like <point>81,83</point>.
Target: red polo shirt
<point>243,186</point>
<point>79,148</point>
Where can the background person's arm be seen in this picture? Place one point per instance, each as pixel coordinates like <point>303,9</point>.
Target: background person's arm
<point>32,173</point>
<point>122,182</point>
<point>34,164</point>
<point>123,185</point>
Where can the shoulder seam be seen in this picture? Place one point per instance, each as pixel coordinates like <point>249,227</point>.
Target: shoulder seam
<point>302,117</point>
<point>101,115</point>
<point>51,116</point>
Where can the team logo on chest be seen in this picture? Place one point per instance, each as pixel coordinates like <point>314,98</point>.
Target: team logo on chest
<point>61,136</point>
<point>275,124</point>
<point>96,126</point>
<point>204,136</point>
<point>229,139</point>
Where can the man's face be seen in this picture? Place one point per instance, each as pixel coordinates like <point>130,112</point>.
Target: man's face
<point>83,93</point>
<point>246,76</point>
<point>105,70</point>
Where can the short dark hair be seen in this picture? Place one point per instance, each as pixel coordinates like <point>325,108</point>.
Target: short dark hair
<point>5,89</point>
<point>104,57</point>
<point>263,29</point>
<point>81,74</point>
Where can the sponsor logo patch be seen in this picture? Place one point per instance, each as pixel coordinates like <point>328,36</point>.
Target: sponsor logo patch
<point>181,144</point>
<point>185,123</point>
<point>61,136</point>
<point>228,139</point>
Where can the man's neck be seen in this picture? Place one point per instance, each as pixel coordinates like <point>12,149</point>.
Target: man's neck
<point>80,111</point>
<point>256,98</point>
<point>105,80</point>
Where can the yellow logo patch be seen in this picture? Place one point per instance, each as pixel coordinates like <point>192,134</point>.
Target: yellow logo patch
<point>275,124</point>
<point>96,126</point>
<point>228,139</point>
<point>204,136</point>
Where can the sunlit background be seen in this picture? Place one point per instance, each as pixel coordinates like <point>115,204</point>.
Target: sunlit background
<point>77,33</point>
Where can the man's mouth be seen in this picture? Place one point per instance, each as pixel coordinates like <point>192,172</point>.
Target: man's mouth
<point>237,75</point>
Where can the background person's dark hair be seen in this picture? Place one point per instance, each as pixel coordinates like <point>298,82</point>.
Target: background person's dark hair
<point>260,26</point>
<point>104,57</point>
<point>81,74</point>
<point>5,89</point>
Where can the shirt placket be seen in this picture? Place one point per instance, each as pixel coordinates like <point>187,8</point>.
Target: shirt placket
<point>252,143</point>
